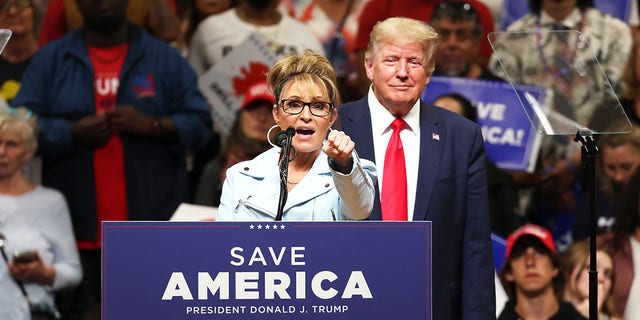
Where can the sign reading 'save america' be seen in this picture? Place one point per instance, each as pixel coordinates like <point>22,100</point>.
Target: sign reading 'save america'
<point>257,270</point>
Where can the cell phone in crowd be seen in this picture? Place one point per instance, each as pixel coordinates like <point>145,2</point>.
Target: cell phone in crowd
<point>25,256</point>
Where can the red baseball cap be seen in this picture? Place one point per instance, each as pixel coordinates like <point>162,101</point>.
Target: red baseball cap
<point>258,91</point>
<point>537,231</point>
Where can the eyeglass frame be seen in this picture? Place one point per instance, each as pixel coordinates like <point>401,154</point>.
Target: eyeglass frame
<point>15,3</point>
<point>14,111</point>
<point>306,104</point>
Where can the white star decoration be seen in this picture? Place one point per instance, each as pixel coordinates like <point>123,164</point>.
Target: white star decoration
<point>267,227</point>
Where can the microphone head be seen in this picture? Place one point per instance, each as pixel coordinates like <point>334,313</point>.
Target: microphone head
<point>281,137</point>
<point>291,131</point>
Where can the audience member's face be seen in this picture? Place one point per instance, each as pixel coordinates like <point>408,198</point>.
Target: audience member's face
<point>17,16</point>
<point>256,119</point>
<point>398,73</point>
<point>619,163</point>
<point>103,16</point>
<point>311,130</point>
<point>13,152</point>
<point>605,277</point>
<point>532,271</point>
<point>449,104</point>
<point>206,8</point>
<point>554,5</point>
<point>457,48</point>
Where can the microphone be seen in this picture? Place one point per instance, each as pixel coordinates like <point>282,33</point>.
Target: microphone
<point>281,137</point>
<point>283,140</point>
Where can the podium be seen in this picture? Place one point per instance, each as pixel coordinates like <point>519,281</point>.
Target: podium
<point>274,270</point>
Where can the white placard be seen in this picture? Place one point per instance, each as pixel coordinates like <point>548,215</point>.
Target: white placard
<point>220,83</point>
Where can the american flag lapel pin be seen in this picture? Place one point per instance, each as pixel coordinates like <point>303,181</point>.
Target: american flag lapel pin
<point>435,136</point>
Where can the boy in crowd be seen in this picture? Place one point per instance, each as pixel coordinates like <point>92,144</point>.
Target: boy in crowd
<point>532,278</point>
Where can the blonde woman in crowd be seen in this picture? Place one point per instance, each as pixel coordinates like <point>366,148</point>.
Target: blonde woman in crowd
<point>575,265</point>
<point>39,249</point>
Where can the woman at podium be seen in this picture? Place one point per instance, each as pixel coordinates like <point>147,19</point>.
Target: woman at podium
<point>325,178</point>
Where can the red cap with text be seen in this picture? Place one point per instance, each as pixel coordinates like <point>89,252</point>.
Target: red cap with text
<point>258,91</point>
<point>537,231</point>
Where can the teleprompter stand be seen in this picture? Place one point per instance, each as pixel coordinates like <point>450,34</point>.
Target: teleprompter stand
<point>589,155</point>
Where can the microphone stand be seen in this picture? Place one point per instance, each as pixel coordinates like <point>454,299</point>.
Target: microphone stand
<point>589,155</point>
<point>285,158</point>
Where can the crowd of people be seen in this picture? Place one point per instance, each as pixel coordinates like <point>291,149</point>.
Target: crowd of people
<point>104,116</point>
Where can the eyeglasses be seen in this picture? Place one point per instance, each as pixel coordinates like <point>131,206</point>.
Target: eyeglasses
<point>21,112</point>
<point>317,108</point>
<point>19,4</point>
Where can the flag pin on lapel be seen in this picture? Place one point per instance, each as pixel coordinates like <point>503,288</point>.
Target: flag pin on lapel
<point>435,136</point>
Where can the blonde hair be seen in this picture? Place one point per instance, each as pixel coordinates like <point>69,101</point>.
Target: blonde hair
<point>577,256</point>
<point>310,68</point>
<point>399,30</point>
<point>24,122</point>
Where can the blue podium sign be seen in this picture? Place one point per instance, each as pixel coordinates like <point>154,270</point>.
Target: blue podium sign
<point>253,270</point>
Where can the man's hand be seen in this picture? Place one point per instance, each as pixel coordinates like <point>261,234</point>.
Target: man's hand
<point>127,119</point>
<point>91,131</point>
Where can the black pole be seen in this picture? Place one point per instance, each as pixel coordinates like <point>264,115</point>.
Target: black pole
<point>589,155</point>
<point>285,158</point>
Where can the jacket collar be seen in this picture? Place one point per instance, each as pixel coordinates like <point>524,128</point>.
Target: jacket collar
<point>318,181</point>
<point>78,46</point>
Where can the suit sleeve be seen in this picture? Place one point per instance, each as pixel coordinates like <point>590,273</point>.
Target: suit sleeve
<point>356,189</point>
<point>478,294</point>
<point>54,138</point>
<point>192,115</point>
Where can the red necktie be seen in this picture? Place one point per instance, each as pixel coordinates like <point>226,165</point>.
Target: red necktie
<point>394,180</point>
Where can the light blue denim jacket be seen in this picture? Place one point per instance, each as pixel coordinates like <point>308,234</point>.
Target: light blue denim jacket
<point>251,191</point>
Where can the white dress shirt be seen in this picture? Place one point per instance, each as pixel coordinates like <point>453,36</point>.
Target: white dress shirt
<point>381,120</point>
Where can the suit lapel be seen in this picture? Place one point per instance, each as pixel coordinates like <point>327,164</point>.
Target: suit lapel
<point>432,140</point>
<point>357,124</point>
<point>359,128</point>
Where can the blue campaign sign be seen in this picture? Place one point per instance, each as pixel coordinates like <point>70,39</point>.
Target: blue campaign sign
<point>277,270</point>
<point>511,142</point>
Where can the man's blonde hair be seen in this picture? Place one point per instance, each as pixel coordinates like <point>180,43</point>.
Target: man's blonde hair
<point>399,30</point>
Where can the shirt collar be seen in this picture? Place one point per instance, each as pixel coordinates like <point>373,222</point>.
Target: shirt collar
<point>381,118</point>
<point>571,21</point>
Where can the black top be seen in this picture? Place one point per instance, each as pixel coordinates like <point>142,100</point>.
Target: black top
<point>566,312</point>
<point>10,77</point>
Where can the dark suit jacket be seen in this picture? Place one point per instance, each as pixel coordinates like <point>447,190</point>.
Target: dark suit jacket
<point>452,193</point>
